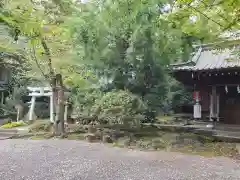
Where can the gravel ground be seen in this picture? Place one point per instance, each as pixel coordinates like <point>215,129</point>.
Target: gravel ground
<point>76,160</point>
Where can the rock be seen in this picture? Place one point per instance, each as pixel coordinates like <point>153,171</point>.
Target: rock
<point>99,135</point>
<point>158,144</point>
<point>91,129</point>
<point>116,134</point>
<point>127,142</point>
<point>238,147</point>
<point>51,129</point>
<point>143,144</point>
<point>85,127</point>
<point>107,139</point>
<point>90,137</point>
<point>71,121</point>
<point>77,128</point>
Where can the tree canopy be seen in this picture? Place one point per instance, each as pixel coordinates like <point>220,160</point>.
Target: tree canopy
<point>129,43</point>
<point>205,19</point>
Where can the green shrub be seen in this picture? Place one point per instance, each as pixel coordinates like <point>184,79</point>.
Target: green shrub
<point>9,107</point>
<point>42,110</point>
<point>13,124</point>
<point>83,100</point>
<point>119,107</point>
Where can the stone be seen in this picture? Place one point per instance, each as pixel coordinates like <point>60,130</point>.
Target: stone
<point>107,139</point>
<point>99,134</point>
<point>158,144</point>
<point>238,147</point>
<point>90,137</point>
<point>91,129</point>
<point>127,142</point>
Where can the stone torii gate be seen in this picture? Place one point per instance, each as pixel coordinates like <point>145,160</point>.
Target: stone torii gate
<point>40,92</point>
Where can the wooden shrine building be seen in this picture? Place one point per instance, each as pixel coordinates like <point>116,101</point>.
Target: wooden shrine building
<point>214,72</point>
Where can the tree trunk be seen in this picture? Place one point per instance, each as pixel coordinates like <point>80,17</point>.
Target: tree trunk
<point>61,109</point>
<point>54,94</point>
<point>58,92</point>
<point>53,82</point>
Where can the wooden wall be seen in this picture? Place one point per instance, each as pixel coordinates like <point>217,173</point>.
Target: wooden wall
<point>230,106</point>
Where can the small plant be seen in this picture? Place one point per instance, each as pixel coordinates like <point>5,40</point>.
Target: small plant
<point>13,124</point>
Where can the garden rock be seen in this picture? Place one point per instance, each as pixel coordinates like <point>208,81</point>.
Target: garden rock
<point>116,134</point>
<point>91,129</point>
<point>90,137</point>
<point>99,134</point>
<point>107,139</point>
<point>127,142</point>
<point>158,144</point>
<point>77,128</point>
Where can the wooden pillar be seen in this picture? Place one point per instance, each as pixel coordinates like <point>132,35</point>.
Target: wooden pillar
<point>218,106</point>
<point>2,97</point>
<point>31,112</point>
<point>211,107</point>
<point>214,108</point>
<point>66,112</point>
<point>52,114</point>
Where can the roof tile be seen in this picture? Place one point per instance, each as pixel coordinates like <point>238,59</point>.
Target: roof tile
<point>209,59</point>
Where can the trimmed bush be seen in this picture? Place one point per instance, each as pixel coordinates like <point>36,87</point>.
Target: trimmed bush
<point>119,107</point>
<point>83,100</point>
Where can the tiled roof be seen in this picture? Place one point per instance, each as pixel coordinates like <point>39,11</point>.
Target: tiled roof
<point>209,58</point>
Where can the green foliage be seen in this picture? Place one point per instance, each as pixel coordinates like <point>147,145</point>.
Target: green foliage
<point>177,95</point>
<point>128,44</point>
<point>13,125</point>
<point>124,47</point>
<point>37,29</point>
<point>13,100</point>
<point>181,96</point>
<point>119,107</point>
<point>84,99</point>
<point>42,110</point>
<point>205,19</point>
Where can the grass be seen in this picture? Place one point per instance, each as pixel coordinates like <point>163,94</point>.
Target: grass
<point>13,125</point>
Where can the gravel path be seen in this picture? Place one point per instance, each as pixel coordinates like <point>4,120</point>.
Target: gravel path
<point>75,160</point>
